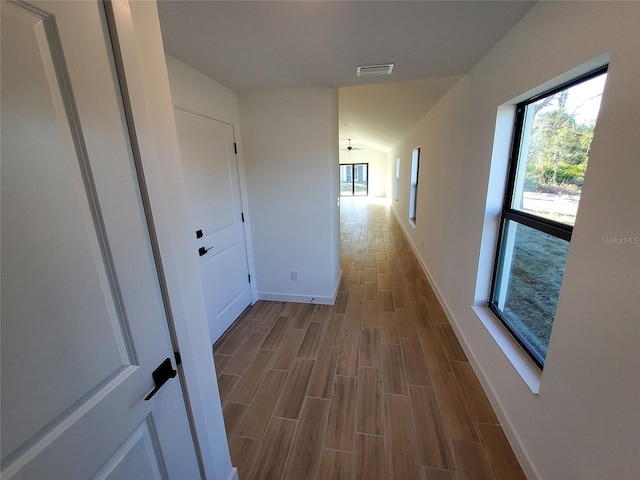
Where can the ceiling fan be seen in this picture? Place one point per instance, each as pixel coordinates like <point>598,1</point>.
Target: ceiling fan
<point>350,147</point>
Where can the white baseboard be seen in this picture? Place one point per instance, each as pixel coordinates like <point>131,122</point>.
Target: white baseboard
<point>296,298</point>
<point>285,297</point>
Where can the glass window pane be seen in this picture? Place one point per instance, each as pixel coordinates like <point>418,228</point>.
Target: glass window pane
<point>346,187</point>
<point>554,151</point>
<point>397,189</point>
<point>360,180</point>
<point>413,189</point>
<point>527,288</point>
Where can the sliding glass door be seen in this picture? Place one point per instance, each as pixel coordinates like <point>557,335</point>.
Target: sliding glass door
<point>354,179</point>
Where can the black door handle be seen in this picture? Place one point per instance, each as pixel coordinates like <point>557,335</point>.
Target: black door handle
<point>161,375</point>
<point>202,251</point>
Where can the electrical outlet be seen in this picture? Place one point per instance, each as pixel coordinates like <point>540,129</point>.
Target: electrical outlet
<point>422,243</point>
<point>294,276</point>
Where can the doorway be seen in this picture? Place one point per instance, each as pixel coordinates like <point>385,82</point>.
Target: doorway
<point>354,179</point>
<point>211,173</point>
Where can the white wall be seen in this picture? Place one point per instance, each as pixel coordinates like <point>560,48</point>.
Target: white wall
<point>194,91</point>
<point>584,422</point>
<point>377,161</point>
<point>291,158</point>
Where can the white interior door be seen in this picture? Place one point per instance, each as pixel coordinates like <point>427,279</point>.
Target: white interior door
<point>211,172</point>
<point>83,322</point>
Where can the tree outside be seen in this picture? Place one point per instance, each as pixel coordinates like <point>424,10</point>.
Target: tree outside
<point>557,159</point>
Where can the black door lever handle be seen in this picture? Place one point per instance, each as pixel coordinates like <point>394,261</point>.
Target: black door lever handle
<point>161,375</point>
<point>202,251</point>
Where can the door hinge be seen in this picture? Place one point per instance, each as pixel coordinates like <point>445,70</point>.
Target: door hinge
<point>249,275</point>
<point>178,358</point>
<point>235,147</point>
<point>242,215</point>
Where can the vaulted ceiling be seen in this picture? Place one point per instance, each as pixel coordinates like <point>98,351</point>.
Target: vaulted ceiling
<point>258,45</point>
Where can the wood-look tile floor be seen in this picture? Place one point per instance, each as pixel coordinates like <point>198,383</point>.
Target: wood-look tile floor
<point>373,387</point>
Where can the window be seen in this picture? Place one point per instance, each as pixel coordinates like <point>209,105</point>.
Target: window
<point>551,141</point>
<point>413,192</point>
<point>354,179</point>
<point>397,189</point>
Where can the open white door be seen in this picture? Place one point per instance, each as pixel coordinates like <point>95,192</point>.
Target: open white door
<point>83,321</point>
<point>211,172</point>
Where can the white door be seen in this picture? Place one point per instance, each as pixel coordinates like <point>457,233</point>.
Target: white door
<point>83,321</point>
<point>211,173</point>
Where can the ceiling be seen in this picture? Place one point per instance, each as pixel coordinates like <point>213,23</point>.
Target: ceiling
<point>259,45</point>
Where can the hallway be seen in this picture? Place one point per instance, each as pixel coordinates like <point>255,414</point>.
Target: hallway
<point>373,387</point>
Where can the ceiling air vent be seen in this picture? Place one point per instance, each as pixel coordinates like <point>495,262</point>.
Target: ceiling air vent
<point>371,70</point>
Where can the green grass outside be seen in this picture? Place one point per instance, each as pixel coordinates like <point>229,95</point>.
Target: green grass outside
<point>536,276</point>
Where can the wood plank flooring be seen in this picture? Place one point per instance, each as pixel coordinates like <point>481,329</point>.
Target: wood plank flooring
<point>373,387</point>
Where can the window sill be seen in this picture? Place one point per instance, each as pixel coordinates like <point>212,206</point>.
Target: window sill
<point>412,222</point>
<point>529,372</point>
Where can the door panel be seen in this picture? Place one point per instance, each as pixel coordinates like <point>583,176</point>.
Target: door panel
<point>211,173</point>
<point>83,322</point>
<point>72,283</point>
<point>136,456</point>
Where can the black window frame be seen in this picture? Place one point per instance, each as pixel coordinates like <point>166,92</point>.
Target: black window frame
<point>557,229</point>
